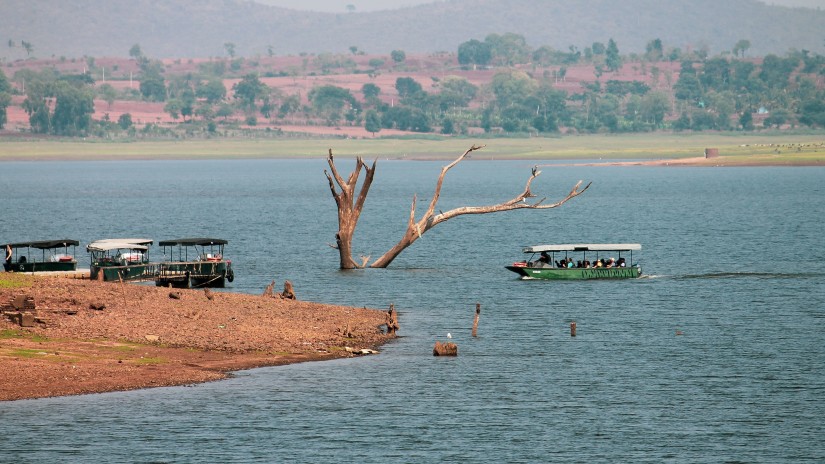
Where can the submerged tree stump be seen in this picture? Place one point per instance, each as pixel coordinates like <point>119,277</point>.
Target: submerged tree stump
<point>346,332</point>
<point>289,291</point>
<point>268,291</point>
<point>445,349</point>
<point>392,320</point>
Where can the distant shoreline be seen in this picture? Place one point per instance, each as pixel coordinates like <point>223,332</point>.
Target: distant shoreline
<point>590,150</point>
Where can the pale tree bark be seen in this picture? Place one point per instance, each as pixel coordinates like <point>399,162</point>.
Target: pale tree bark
<point>349,206</point>
<point>415,229</point>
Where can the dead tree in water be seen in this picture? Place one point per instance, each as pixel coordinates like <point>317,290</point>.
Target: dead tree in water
<point>350,206</point>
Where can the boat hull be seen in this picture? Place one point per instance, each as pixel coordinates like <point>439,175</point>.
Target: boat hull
<point>194,274</point>
<point>41,267</point>
<point>546,273</point>
<point>125,273</point>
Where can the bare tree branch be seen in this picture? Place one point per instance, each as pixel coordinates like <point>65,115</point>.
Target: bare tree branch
<point>429,220</point>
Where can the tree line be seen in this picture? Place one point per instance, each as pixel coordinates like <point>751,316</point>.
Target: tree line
<point>721,92</point>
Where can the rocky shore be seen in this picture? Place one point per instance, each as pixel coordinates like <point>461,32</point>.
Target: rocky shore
<point>90,337</point>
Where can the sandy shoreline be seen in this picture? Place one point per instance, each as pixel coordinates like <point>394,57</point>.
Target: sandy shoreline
<point>143,338</point>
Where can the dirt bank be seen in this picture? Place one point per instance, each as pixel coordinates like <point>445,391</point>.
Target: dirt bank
<point>144,338</point>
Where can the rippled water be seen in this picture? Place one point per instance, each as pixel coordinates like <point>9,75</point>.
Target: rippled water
<point>716,355</point>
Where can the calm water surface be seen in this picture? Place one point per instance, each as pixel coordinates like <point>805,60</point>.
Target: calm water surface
<point>733,260</point>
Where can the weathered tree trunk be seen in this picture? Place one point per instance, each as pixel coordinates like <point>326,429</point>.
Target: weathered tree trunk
<point>445,349</point>
<point>392,320</point>
<point>349,206</point>
<point>289,291</point>
<point>269,290</point>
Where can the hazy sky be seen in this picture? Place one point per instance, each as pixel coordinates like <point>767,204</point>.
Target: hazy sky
<point>340,6</point>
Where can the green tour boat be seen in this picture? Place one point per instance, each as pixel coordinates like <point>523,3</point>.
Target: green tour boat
<point>579,261</point>
<point>194,263</point>
<point>21,258</point>
<point>121,259</point>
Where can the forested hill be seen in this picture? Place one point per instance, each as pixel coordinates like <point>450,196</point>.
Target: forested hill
<point>200,28</point>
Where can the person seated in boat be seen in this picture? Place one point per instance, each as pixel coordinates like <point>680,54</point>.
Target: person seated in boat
<point>21,259</point>
<point>621,263</point>
<point>599,263</point>
<point>611,262</point>
<point>544,260</point>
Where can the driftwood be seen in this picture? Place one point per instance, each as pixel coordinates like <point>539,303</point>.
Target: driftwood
<point>350,204</point>
<point>392,320</point>
<point>268,291</point>
<point>346,332</point>
<point>288,293</point>
<point>445,349</point>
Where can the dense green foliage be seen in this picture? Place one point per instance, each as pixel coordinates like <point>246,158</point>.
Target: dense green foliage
<point>527,93</point>
<point>58,104</point>
<point>5,98</point>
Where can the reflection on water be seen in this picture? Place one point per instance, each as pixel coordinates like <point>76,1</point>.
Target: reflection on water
<point>716,355</point>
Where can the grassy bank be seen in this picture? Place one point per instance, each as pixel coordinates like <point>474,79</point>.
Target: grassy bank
<point>770,149</point>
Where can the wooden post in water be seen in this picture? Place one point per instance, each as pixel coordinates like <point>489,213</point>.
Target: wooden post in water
<point>573,328</point>
<point>475,320</point>
<point>392,320</point>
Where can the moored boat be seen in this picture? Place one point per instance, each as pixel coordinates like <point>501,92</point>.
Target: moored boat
<point>194,263</point>
<point>21,258</point>
<point>573,262</point>
<point>121,259</point>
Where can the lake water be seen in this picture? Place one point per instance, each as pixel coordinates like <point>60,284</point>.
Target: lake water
<point>733,261</point>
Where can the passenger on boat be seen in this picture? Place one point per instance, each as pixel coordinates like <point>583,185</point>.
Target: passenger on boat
<point>621,263</point>
<point>599,263</point>
<point>544,260</point>
<point>611,263</point>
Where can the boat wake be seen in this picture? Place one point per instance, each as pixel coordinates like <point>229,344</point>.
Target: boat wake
<point>751,275</point>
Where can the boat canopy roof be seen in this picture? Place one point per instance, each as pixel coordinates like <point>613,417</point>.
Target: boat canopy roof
<point>44,244</point>
<point>136,241</point>
<point>110,244</point>
<point>584,247</point>
<point>192,242</point>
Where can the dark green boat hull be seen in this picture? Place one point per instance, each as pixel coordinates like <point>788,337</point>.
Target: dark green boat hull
<point>41,267</point>
<point>576,273</point>
<point>194,274</point>
<point>125,273</point>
